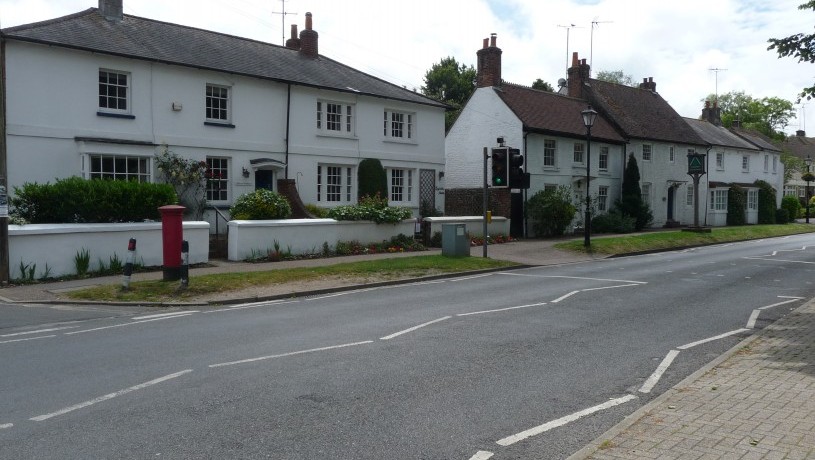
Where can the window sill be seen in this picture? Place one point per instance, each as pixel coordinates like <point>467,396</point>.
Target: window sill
<point>126,116</point>
<point>551,168</point>
<point>219,124</point>
<point>392,140</point>
<point>336,136</point>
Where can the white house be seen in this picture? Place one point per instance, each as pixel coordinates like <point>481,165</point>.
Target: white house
<point>98,93</point>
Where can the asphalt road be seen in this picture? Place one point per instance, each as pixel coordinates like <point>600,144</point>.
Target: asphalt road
<point>531,363</point>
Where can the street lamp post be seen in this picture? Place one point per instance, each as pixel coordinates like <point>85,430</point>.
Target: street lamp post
<point>589,115</point>
<point>808,162</point>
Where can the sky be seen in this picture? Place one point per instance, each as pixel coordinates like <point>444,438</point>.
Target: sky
<point>675,42</point>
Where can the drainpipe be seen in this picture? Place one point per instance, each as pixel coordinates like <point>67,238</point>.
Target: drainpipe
<point>288,119</point>
<point>4,247</point>
<point>526,169</point>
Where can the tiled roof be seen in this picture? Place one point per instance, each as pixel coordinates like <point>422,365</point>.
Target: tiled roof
<point>552,113</point>
<point>761,141</point>
<point>800,146</point>
<point>157,41</point>
<point>640,113</point>
<point>718,135</point>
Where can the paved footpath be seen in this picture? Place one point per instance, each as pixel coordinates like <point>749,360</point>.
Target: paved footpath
<point>756,401</point>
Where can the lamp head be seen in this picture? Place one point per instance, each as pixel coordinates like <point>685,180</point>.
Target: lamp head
<point>589,115</point>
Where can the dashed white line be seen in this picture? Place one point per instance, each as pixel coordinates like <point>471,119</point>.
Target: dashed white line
<point>39,331</point>
<point>397,334</point>
<point>162,315</point>
<point>29,338</point>
<point>140,386</point>
<point>245,306</point>
<point>127,324</point>
<point>780,260</point>
<point>9,425</point>
<point>751,322</point>
<point>780,303</point>
<point>651,382</point>
<point>455,280</point>
<point>608,287</point>
<point>509,440</point>
<point>565,296</point>
<point>572,277</point>
<point>711,339</point>
<point>482,455</point>
<point>501,309</point>
<point>293,353</point>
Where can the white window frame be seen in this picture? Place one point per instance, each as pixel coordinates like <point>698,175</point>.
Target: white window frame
<point>335,183</point>
<point>400,185</point>
<point>335,118</point>
<point>119,167</point>
<point>720,161</point>
<point>218,174</point>
<point>645,189</point>
<point>218,103</point>
<point>647,152</point>
<point>689,195</point>
<point>602,198</point>
<point>745,163</point>
<point>602,159</point>
<point>752,199</point>
<point>766,163</point>
<point>104,101</point>
<point>579,156</point>
<point>718,199</point>
<point>399,125</point>
<point>775,164</point>
<point>549,153</point>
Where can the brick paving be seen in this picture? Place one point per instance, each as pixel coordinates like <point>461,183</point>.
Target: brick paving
<point>755,402</point>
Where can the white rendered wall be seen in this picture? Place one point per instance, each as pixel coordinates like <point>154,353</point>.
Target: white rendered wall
<point>474,225</point>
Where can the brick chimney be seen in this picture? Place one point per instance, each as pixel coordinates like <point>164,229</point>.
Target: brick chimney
<point>648,83</point>
<point>308,40</point>
<point>111,9</point>
<point>712,114</point>
<point>578,75</point>
<point>801,133</point>
<point>489,64</point>
<point>293,43</point>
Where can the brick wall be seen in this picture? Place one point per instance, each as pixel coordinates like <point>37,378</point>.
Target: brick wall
<point>469,202</point>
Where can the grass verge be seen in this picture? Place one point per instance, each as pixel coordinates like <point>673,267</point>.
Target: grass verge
<point>382,269</point>
<point>677,239</point>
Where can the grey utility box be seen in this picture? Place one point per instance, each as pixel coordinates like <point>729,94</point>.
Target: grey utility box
<point>454,241</point>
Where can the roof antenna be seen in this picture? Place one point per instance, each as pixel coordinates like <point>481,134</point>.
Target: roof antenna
<point>283,20</point>
<point>568,28</point>
<point>591,42</point>
<point>717,70</point>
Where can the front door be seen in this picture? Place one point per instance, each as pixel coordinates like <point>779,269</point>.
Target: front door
<point>264,178</point>
<point>671,203</point>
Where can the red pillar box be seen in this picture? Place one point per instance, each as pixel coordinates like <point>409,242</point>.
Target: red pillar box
<point>172,234</point>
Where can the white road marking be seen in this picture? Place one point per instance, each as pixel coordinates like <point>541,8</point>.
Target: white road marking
<point>509,440</point>
<point>482,455</point>
<point>608,287</point>
<point>397,334</point>
<point>38,331</point>
<point>651,382</point>
<point>140,386</point>
<point>126,324</point>
<point>293,353</point>
<point>751,322</point>
<point>30,338</point>
<point>572,277</point>
<point>455,280</point>
<point>793,299</point>
<point>9,425</point>
<point>564,297</point>
<point>162,315</point>
<point>780,260</point>
<point>790,297</point>
<point>245,306</point>
<point>711,339</point>
<point>501,309</point>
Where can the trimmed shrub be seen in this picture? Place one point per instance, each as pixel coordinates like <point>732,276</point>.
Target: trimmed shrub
<point>317,211</point>
<point>631,203</point>
<point>792,205</point>
<point>371,209</point>
<point>736,204</point>
<point>782,216</point>
<point>551,210</point>
<point>78,200</point>
<point>261,204</point>
<point>613,222</point>
<point>373,180</point>
<point>766,202</point>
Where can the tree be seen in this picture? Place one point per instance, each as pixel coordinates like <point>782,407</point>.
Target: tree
<point>801,46</point>
<point>451,83</point>
<point>551,211</point>
<point>372,179</point>
<point>616,76</point>
<point>631,203</point>
<point>542,85</point>
<point>768,115</point>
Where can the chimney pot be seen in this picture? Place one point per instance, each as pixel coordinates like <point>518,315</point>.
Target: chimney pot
<point>800,133</point>
<point>493,40</point>
<point>294,42</point>
<point>575,61</point>
<point>489,64</point>
<point>486,43</point>
<point>308,21</point>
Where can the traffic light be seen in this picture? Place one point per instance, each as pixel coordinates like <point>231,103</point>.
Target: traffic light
<point>499,167</point>
<point>516,173</point>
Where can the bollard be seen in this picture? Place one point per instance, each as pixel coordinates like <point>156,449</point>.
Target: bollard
<point>131,253</point>
<point>185,264</point>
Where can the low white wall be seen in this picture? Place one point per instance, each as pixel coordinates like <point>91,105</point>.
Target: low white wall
<point>302,236</point>
<point>473,224</point>
<point>57,245</point>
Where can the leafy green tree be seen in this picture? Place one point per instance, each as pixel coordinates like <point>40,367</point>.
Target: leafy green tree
<point>451,83</point>
<point>542,85</point>
<point>792,164</point>
<point>616,76</point>
<point>551,211</point>
<point>631,203</point>
<point>768,115</point>
<point>801,46</point>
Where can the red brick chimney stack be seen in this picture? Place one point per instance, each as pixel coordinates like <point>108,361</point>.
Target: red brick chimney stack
<point>308,40</point>
<point>293,43</point>
<point>648,83</point>
<point>578,75</point>
<point>489,64</point>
